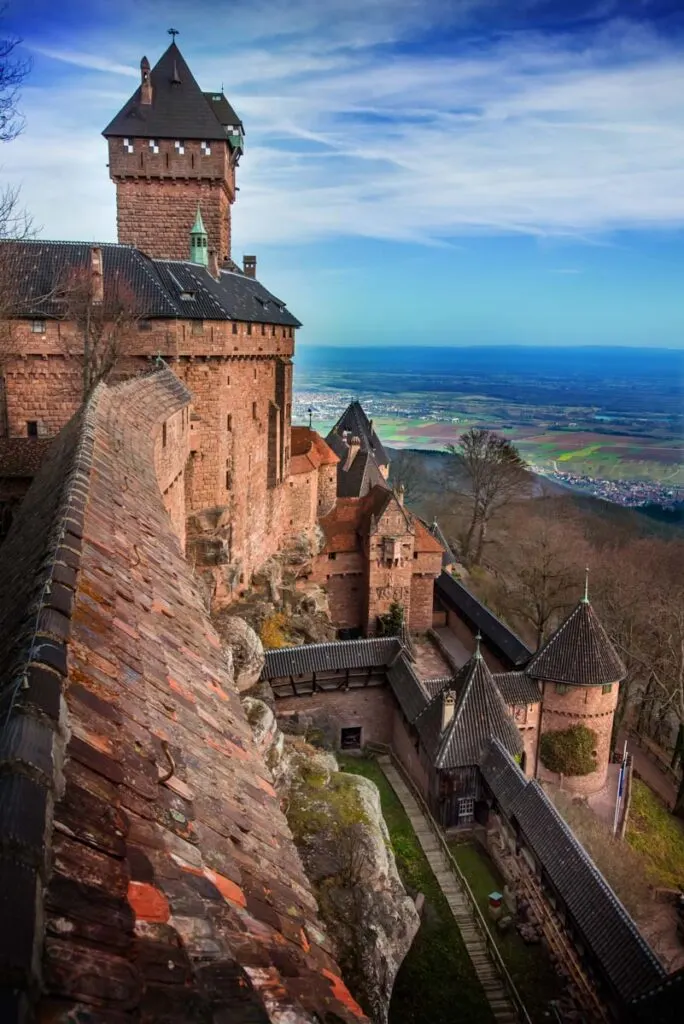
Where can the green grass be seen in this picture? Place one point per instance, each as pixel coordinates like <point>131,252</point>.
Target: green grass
<point>657,835</point>
<point>529,966</point>
<point>580,453</point>
<point>436,983</point>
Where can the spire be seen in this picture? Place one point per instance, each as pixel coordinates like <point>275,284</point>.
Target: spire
<point>478,654</point>
<point>585,599</point>
<point>199,245</point>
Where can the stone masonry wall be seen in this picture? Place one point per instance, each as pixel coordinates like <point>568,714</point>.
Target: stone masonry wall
<point>157,194</point>
<point>405,748</point>
<point>371,708</point>
<point>171,446</point>
<point>585,705</point>
<point>327,489</point>
<point>420,619</point>
<point>388,582</point>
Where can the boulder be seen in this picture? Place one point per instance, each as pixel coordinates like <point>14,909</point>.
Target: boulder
<point>246,647</point>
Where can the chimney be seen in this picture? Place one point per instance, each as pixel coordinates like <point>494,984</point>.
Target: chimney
<point>97,277</point>
<point>400,494</point>
<point>146,84</point>
<point>354,445</point>
<point>448,705</point>
<point>213,264</point>
<point>249,266</point>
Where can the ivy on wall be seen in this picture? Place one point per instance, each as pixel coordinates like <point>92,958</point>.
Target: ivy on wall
<point>569,751</point>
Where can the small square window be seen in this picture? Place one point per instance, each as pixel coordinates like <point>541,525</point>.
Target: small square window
<point>144,325</point>
<point>37,327</point>
<point>32,428</point>
<point>562,688</point>
<point>607,688</point>
<point>350,739</point>
<point>332,555</point>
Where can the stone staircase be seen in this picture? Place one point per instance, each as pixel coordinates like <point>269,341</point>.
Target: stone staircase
<point>503,1008</point>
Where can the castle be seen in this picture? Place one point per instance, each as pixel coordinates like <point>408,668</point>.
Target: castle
<point>190,462</point>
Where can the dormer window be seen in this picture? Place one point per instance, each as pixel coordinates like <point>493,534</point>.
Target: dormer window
<point>205,147</point>
<point>187,296</point>
<point>37,327</point>
<point>154,145</point>
<point>128,145</point>
<point>179,147</point>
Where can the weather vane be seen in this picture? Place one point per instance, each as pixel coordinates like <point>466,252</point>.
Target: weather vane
<point>173,32</point>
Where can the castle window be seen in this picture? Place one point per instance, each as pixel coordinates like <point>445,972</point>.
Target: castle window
<point>332,555</point>
<point>273,330</point>
<point>206,148</point>
<point>229,421</point>
<point>229,479</point>
<point>144,325</point>
<point>228,380</point>
<point>249,328</point>
<point>32,428</point>
<point>180,147</point>
<point>263,328</point>
<point>415,555</point>
<point>562,688</point>
<point>37,327</point>
<point>607,688</point>
<point>292,332</point>
<point>163,435</point>
<point>350,739</point>
<point>235,328</point>
<point>154,145</point>
<point>128,145</point>
<point>466,810</point>
<point>255,373</point>
<point>198,326</point>
<point>254,410</point>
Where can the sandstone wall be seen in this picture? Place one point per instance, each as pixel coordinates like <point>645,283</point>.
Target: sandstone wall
<point>585,705</point>
<point>371,708</point>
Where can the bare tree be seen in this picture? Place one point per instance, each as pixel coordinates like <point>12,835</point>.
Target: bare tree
<point>103,316</point>
<point>493,474</point>
<point>407,471</point>
<point>543,572</point>
<point>13,71</point>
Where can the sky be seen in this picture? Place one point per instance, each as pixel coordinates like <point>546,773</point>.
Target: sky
<point>423,172</point>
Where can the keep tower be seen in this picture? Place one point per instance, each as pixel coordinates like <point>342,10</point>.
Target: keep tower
<point>579,672</point>
<point>174,149</point>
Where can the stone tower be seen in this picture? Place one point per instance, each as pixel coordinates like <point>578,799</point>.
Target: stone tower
<point>579,672</point>
<point>173,148</point>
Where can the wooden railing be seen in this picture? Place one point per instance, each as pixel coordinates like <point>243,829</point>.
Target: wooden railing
<point>478,917</point>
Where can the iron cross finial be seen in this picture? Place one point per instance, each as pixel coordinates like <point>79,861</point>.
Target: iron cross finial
<point>173,32</point>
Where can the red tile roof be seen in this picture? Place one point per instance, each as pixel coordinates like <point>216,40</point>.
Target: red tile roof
<point>309,451</point>
<point>171,887</point>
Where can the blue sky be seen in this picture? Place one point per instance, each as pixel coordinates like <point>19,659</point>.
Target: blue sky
<point>416,171</point>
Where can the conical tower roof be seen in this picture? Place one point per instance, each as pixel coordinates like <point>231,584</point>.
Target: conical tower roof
<point>179,109</point>
<point>579,653</point>
<point>479,715</point>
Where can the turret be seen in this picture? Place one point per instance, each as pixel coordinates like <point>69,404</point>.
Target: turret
<point>199,245</point>
<point>580,672</point>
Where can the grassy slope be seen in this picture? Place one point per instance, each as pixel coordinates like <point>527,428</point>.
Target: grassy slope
<point>529,966</point>
<point>436,984</point>
<point>658,837</point>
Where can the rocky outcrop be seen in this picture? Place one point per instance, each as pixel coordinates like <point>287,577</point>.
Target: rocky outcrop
<point>247,649</point>
<point>337,823</point>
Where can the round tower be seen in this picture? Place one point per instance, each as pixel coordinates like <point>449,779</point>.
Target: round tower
<point>580,673</point>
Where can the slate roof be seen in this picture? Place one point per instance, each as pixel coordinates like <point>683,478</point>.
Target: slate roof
<point>662,1004</point>
<point>479,715</point>
<point>517,688</point>
<point>407,688</point>
<point>357,423</point>
<point>178,110</point>
<point>157,285</point>
<point>224,111</point>
<point>22,456</point>
<point>627,960</point>
<point>438,683</point>
<point>448,558</point>
<point>504,777</point>
<point>579,653</point>
<point>362,475</point>
<point>146,866</point>
<point>341,654</point>
<point>497,635</point>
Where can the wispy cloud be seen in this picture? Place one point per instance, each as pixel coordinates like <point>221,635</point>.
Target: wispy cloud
<point>355,130</point>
